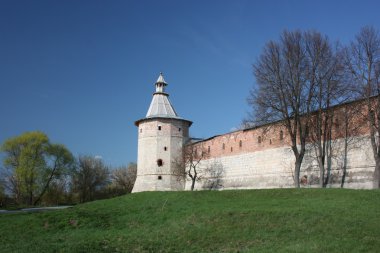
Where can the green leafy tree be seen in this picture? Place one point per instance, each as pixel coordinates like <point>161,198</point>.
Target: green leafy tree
<point>60,163</point>
<point>33,163</point>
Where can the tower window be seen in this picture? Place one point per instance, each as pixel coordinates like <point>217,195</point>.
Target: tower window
<point>259,139</point>
<point>240,143</point>
<point>159,162</point>
<point>159,177</point>
<point>232,149</point>
<point>165,148</point>
<point>208,149</point>
<point>281,135</point>
<point>159,128</point>
<point>179,129</point>
<point>270,141</point>
<point>224,146</point>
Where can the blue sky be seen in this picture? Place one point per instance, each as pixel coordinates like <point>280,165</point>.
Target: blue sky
<point>84,71</point>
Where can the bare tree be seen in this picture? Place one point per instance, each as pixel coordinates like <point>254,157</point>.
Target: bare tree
<point>188,165</point>
<point>58,191</point>
<point>363,60</point>
<point>124,178</point>
<point>11,184</point>
<point>91,176</point>
<point>327,74</point>
<point>348,126</point>
<point>287,75</point>
<point>193,155</point>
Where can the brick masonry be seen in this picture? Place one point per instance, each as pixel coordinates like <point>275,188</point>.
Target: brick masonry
<point>273,168</point>
<point>262,158</point>
<point>160,139</point>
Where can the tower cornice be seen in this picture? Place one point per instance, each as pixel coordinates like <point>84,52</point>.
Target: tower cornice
<point>137,122</point>
<point>161,93</point>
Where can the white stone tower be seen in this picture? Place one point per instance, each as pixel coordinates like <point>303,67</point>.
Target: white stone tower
<point>162,135</point>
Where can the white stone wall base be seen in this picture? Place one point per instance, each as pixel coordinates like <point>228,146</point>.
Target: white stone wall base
<point>273,168</point>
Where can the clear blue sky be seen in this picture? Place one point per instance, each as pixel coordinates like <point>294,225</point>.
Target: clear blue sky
<point>84,71</point>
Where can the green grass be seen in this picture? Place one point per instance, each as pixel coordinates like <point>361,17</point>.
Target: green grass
<point>282,220</point>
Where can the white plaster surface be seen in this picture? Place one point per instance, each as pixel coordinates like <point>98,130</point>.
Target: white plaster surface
<point>273,168</point>
<point>151,147</point>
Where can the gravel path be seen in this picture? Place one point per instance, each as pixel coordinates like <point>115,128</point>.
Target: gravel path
<point>35,209</point>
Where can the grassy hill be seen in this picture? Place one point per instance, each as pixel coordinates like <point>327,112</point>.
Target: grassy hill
<point>282,220</point>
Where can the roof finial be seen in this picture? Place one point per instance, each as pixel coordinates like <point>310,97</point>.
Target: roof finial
<point>161,79</point>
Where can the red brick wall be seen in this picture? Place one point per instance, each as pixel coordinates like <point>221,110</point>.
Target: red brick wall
<point>270,134</point>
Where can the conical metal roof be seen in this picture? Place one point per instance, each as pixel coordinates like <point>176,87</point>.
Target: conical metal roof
<point>160,105</point>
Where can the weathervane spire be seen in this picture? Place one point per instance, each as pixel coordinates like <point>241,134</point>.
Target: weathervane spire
<point>160,83</point>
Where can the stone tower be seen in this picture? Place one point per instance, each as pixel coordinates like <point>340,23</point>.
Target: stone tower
<point>162,135</point>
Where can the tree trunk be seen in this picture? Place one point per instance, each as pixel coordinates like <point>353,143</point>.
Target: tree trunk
<point>192,184</point>
<point>328,172</point>
<point>344,161</point>
<point>297,170</point>
<point>375,148</point>
<point>321,171</point>
<point>30,198</point>
<point>376,173</point>
<point>46,186</point>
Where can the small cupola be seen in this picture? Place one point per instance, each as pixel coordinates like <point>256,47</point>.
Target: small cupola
<point>160,84</point>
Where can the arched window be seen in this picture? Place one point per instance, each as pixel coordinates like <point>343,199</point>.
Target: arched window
<point>224,146</point>
<point>259,139</point>
<point>165,148</point>
<point>232,149</point>
<point>281,135</point>
<point>159,128</point>
<point>208,149</point>
<point>240,143</point>
<point>159,162</point>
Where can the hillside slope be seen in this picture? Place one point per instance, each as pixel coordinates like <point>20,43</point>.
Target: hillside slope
<point>281,220</point>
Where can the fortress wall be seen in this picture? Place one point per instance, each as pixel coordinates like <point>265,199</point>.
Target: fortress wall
<point>262,157</point>
<point>270,164</point>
